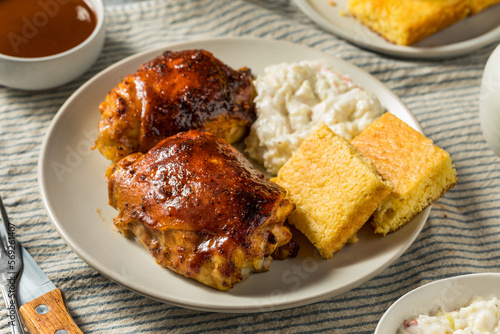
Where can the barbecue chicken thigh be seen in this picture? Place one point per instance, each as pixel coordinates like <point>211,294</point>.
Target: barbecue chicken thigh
<point>200,208</point>
<point>176,92</point>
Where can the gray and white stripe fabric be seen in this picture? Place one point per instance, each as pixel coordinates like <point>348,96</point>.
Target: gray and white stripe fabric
<point>462,234</point>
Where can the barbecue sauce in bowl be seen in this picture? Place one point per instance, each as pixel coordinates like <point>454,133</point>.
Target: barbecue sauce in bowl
<point>40,28</point>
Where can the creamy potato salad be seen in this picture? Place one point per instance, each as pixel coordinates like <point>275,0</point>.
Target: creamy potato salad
<point>293,98</point>
<point>479,317</point>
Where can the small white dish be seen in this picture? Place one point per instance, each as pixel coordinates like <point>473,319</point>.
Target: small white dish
<point>52,71</point>
<point>489,101</point>
<point>462,38</point>
<point>74,192</point>
<point>450,294</point>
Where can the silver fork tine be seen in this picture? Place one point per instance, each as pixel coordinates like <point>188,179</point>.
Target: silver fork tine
<point>10,267</point>
<point>3,233</point>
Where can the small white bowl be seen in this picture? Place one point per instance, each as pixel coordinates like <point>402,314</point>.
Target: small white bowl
<point>450,294</point>
<point>489,101</point>
<point>56,70</point>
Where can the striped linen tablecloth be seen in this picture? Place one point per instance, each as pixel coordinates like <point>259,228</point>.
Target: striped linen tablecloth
<point>462,234</point>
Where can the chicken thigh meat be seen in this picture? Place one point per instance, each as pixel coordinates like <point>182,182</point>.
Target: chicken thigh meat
<point>200,208</point>
<point>177,91</point>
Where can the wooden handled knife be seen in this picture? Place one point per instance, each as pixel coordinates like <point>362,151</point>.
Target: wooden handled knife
<point>43,309</point>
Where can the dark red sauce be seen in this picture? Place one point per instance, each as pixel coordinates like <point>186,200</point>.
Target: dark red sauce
<point>39,28</point>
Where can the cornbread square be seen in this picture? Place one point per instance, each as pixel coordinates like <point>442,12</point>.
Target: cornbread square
<point>479,5</point>
<point>420,171</point>
<point>406,22</point>
<point>334,189</point>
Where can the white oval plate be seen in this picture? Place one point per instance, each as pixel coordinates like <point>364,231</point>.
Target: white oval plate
<point>450,294</point>
<point>463,37</point>
<point>74,193</point>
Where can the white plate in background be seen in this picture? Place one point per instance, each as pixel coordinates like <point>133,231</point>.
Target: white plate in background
<point>450,294</point>
<point>462,38</point>
<point>74,193</point>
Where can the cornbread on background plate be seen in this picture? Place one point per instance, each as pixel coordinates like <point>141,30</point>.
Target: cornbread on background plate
<point>406,22</point>
<point>420,171</point>
<point>479,5</point>
<point>335,190</point>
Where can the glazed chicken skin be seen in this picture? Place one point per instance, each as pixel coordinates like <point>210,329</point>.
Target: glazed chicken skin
<point>177,91</point>
<point>200,208</point>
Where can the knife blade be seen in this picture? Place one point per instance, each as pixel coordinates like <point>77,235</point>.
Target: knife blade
<point>43,309</point>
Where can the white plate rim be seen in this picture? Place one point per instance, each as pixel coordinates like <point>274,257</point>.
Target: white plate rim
<point>412,52</point>
<point>443,284</point>
<point>215,306</point>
